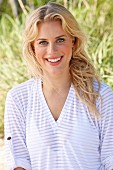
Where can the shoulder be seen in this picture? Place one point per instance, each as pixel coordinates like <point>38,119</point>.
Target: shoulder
<point>20,95</point>
<point>23,90</point>
<point>106,95</point>
<point>105,101</point>
<point>104,88</point>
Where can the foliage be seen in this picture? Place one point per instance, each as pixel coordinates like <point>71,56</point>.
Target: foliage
<point>5,8</point>
<point>95,18</point>
<point>12,69</point>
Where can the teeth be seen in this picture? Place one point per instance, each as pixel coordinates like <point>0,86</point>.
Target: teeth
<point>54,60</point>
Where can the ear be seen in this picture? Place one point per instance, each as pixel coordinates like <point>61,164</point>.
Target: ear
<point>74,41</point>
<point>32,46</point>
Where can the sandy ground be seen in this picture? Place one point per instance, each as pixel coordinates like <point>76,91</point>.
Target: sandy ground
<point>2,155</point>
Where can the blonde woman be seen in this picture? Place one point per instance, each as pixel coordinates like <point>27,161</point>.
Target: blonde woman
<point>62,118</point>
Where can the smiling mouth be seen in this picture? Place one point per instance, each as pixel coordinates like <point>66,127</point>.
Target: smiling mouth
<point>54,60</point>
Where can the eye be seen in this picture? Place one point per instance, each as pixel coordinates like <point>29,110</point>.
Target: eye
<point>43,43</point>
<point>60,40</point>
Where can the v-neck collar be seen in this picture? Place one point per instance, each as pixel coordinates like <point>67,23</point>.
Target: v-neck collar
<point>47,111</point>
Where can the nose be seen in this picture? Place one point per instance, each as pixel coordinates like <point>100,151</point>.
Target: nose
<point>52,48</point>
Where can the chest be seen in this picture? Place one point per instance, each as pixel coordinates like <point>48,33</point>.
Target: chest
<point>73,123</point>
<point>72,136</point>
<point>55,104</point>
<point>71,133</point>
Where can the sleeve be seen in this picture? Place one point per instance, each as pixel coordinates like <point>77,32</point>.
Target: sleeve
<point>106,129</point>
<point>14,121</point>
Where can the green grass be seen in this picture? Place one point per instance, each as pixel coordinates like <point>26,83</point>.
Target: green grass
<point>96,20</point>
<point>12,67</point>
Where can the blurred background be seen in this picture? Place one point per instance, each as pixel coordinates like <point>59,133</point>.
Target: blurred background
<point>95,18</point>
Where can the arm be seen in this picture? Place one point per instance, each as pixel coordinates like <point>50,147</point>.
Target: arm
<point>19,169</point>
<point>106,129</point>
<point>16,149</point>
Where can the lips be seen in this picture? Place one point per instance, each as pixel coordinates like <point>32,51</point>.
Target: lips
<point>54,60</point>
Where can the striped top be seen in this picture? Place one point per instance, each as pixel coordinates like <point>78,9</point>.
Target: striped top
<point>76,141</point>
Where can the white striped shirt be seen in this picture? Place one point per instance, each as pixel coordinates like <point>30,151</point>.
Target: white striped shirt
<point>76,141</point>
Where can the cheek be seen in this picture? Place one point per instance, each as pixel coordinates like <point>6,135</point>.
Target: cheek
<point>68,50</point>
<point>66,47</point>
<point>39,53</point>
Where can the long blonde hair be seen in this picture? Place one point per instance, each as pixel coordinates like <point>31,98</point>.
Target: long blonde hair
<point>82,71</point>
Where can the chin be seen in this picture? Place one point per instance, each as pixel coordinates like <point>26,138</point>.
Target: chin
<point>52,72</point>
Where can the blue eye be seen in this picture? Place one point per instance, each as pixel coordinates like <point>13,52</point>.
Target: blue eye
<point>60,40</point>
<point>43,43</point>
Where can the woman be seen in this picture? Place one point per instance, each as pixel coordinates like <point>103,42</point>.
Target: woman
<point>62,118</point>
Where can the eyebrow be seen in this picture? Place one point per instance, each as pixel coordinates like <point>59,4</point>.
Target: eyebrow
<point>60,36</point>
<point>55,37</point>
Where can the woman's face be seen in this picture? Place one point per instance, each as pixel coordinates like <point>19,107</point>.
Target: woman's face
<point>53,48</point>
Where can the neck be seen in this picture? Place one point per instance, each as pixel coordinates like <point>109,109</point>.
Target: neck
<point>56,83</point>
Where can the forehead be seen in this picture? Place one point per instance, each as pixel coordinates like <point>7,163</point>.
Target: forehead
<point>50,29</point>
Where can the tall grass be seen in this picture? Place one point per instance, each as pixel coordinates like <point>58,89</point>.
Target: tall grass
<point>12,67</point>
<point>96,20</point>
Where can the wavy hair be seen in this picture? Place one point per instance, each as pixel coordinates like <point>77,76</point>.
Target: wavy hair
<point>82,71</point>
